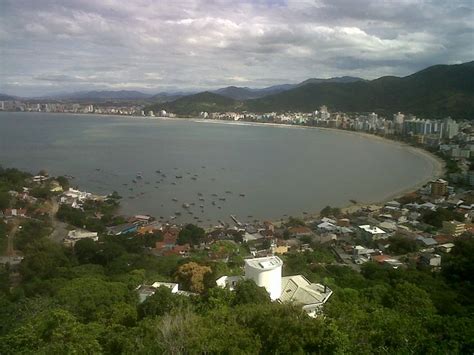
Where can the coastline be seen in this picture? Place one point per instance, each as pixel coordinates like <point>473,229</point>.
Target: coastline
<point>438,165</point>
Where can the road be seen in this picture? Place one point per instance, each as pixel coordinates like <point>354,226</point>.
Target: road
<point>59,228</point>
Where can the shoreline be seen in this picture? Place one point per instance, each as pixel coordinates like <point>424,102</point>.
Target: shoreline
<point>438,165</point>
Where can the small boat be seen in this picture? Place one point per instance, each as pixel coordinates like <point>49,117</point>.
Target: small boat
<point>228,192</point>
<point>139,176</point>
<point>98,169</point>
<point>177,213</point>
<point>179,176</point>
<point>186,205</point>
<point>173,183</point>
<point>219,207</point>
<point>199,194</point>
<point>203,167</point>
<point>201,199</point>
<point>222,199</point>
<point>193,178</point>
<point>214,203</point>
<point>134,181</point>
<point>215,195</point>
<point>175,199</point>
<point>158,171</point>
<point>202,206</point>
<point>192,203</point>
<point>242,195</point>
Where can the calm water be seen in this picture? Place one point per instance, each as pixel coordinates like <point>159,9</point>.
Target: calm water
<point>281,171</point>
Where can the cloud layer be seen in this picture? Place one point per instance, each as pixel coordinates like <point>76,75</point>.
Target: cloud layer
<point>51,46</point>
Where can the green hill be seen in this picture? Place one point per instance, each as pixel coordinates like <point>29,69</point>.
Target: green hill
<point>437,91</point>
<point>193,104</point>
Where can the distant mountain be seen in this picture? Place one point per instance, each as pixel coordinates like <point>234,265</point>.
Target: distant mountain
<point>165,97</point>
<point>340,79</point>
<point>4,97</point>
<point>104,95</point>
<point>193,104</point>
<point>238,93</point>
<point>245,93</point>
<point>437,91</point>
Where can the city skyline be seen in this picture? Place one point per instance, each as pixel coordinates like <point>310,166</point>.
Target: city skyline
<point>49,47</point>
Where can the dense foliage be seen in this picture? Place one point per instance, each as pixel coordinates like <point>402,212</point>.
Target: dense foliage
<point>436,92</point>
<point>84,301</point>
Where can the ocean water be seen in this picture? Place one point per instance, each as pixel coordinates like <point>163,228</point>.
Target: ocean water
<point>279,171</point>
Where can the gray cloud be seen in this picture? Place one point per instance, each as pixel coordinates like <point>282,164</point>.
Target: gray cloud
<point>52,45</point>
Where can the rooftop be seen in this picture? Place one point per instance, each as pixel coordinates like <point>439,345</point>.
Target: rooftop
<point>265,263</point>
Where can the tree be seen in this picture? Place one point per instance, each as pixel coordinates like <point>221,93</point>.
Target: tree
<point>161,303</point>
<point>55,332</point>
<point>86,250</point>
<point>88,297</point>
<point>191,276</point>
<point>400,244</point>
<point>329,211</point>
<point>247,292</point>
<point>4,200</point>
<point>191,234</point>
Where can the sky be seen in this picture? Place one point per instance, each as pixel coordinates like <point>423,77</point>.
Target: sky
<point>57,46</point>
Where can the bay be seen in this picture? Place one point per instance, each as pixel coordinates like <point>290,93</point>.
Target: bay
<point>250,171</point>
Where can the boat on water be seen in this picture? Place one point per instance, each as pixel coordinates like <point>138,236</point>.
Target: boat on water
<point>214,203</point>
<point>202,206</point>
<point>175,199</point>
<point>228,192</point>
<point>158,171</point>
<point>194,178</point>
<point>173,183</point>
<point>192,203</point>
<point>242,195</point>
<point>134,181</point>
<point>177,213</point>
<point>222,199</point>
<point>199,194</point>
<point>179,176</point>
<point>215,195</point>
<point>186,205</point>
<point>201,199</point>
<point>139,175</point>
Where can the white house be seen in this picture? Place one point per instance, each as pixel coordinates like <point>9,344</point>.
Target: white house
<point>267,272</point>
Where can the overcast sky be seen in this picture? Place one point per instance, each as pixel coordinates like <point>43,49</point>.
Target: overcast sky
<point>49,46</point>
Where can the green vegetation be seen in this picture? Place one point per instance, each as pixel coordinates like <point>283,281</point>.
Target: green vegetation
<point>194,104</point>
<point>83,300</point>
<point>436,92</point>
<point>436,218</point>
<point>329,211</point>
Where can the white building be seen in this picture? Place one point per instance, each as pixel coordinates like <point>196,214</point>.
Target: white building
<point>267,272</point>
<point>76,234</point>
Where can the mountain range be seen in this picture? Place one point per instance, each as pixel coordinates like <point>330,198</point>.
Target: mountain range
<point>438,91</point>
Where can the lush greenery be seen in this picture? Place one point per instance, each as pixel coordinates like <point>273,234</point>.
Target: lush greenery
<point>437,91</point>
<point>84,301</point>
<point>194,104</point>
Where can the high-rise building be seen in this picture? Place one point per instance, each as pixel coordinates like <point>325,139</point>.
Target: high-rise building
<point>439,187</point>
<point>450,128</point>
